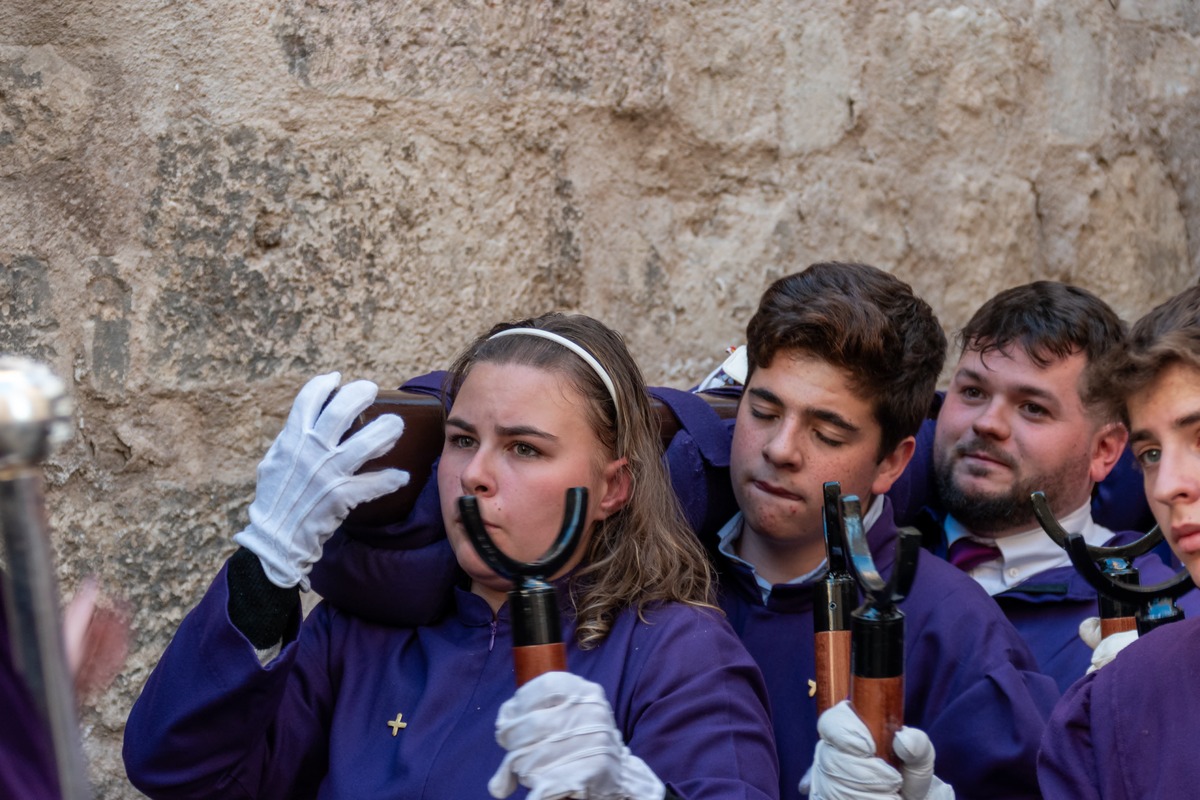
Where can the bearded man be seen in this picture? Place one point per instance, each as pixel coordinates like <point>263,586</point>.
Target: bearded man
<point>1016,419</point>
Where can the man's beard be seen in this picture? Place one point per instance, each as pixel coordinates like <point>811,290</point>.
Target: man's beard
<point>991,513</point>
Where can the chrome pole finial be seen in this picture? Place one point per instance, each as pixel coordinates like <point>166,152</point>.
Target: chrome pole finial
<point>35,412</point>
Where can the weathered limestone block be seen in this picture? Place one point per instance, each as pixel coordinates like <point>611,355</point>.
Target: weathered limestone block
<point>45,105</point>
<point>573,51</point>
<point>203,204</point>
<point>26,306</point>
<point>857,211</point>
<point>110,322</point>
<point>273,255</point>
<point>976,235</point>
<point>1164,102</point>
<point>1077,74</point>
<point>745,78</point>
<point>1174,13</point>
<point>1133,241</point>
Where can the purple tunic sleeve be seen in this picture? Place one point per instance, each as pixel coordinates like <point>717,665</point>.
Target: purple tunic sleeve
<point>1124,731</point>
<point>361,568</point>
<point>212,721</point>
<point>697,460</point>
<point>973,686</point>
<point>915,489</point>
<point>1067,761</point>
<point>400,576</point>
<point>692,704</point>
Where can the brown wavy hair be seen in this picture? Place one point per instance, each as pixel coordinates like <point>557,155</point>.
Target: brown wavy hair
<point>1168,334</point>
<point>644,553</point>
<point>865,321</point>
<point>1050,321</point>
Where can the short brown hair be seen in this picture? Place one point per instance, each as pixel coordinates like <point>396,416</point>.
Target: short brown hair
<point>865,321</point>
<point>1049,321</point>
<point>1168,334</point>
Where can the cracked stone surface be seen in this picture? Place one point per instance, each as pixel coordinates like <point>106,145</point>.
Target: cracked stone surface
<point>205,204</point>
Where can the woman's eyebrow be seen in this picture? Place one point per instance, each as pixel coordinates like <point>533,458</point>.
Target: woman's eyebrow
<point>459,422</point>
<point>507,431</point>
<point>525,430</point>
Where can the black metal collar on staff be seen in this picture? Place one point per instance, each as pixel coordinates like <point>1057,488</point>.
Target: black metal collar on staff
<point>878,624</point>
<point>1111,572</point>
<point>533,601</point>
<point>838,592</point>
<point>833,601</point>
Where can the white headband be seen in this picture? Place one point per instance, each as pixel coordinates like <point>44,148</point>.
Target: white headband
<point>574,348</point>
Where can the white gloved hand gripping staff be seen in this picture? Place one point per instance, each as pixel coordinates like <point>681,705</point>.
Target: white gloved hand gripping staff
<point>845,766</point>
<point>307,482</point>
<point>562,741</point>
<point>1104,648</point>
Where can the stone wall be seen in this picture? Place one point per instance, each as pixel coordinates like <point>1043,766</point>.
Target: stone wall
<point>203,204</point>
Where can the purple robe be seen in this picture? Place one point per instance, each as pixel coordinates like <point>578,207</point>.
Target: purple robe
<point>1047,609</point>
<point>1124,732</point>
<point>27,768</point>
<point>970,682</point>
<point>351,709</point>
<point>974,685</point>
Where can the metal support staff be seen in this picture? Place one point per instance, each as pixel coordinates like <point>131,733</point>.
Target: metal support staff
<point>833,601</point>
<point>34,417</point>
<point>877,631</point>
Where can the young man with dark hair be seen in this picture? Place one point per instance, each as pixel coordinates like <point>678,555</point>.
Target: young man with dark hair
<point>1122,733</point>
<point>1016,420</point>
<point>842,362</point>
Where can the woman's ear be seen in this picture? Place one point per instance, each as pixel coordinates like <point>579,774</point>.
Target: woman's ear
<point>618,484</point>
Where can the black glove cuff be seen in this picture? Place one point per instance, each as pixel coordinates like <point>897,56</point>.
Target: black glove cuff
<point>262,611</point>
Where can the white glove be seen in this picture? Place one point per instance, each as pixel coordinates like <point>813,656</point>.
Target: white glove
<point>306,482</point>
<point>845,766</point>
<point>1106,649</point>
<point>562,742</point>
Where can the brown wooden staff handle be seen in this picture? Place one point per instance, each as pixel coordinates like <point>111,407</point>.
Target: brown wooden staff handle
<point>833,668</point>
<point>1109,626</point>
<point>534,659</point>
<point>879,703</point>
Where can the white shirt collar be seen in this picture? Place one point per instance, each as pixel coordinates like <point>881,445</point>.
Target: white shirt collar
<point>1029,553</point>
<point>732,531</point>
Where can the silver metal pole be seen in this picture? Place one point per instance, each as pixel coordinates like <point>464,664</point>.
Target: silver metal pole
<point>35,416</point>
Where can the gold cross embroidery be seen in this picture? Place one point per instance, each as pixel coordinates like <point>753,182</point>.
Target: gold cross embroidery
<point>396,724</point>
<point>812,688</point>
